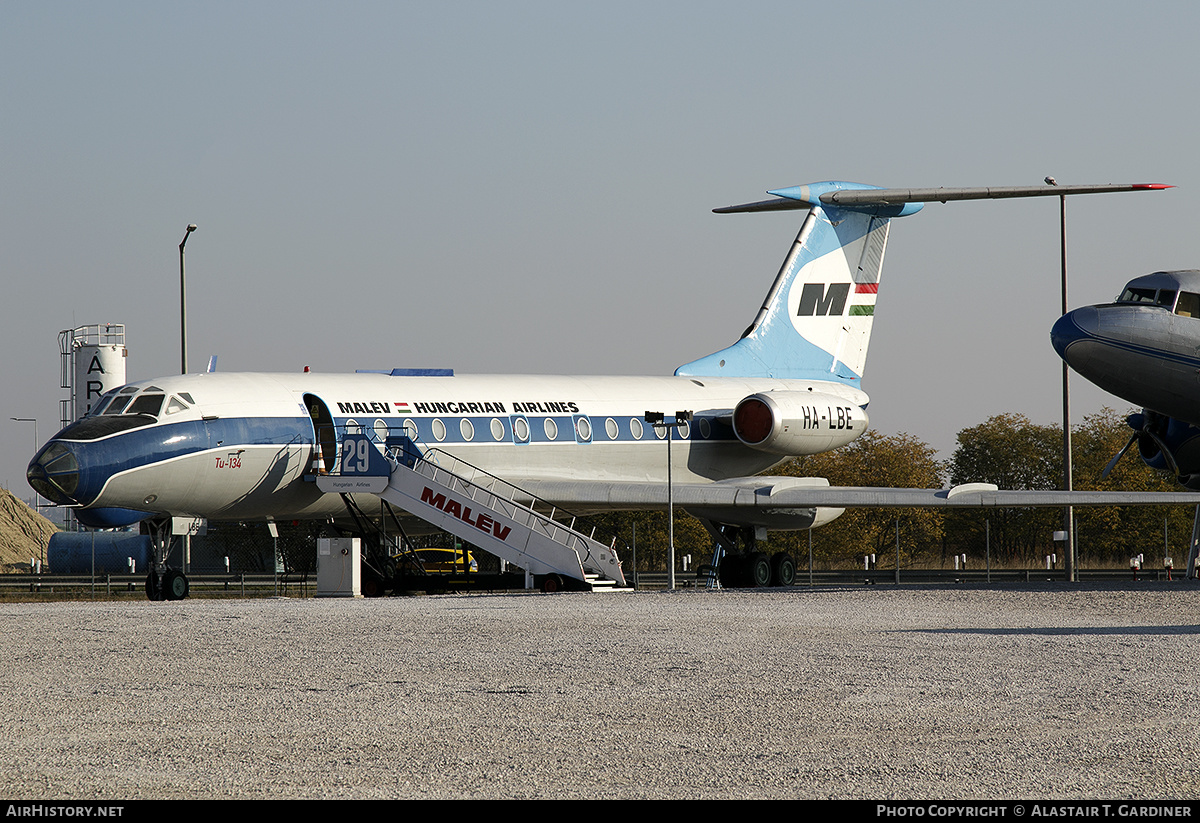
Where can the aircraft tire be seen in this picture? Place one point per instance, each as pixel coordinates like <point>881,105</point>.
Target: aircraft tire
<point>175,585</point>
<point>758,568</point>
<point>732,571</point>
<point>153,592</point>
<point>783,569</point>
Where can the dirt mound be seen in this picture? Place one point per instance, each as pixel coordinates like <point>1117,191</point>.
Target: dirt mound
<point>23,534</point>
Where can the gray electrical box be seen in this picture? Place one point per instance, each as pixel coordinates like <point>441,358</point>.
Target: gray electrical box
<point>338,572</point>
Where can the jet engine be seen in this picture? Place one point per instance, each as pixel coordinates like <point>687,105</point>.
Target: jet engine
<point>795,423</point>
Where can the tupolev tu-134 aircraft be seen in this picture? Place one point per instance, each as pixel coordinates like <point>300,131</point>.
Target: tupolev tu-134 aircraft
<point>474,454</point>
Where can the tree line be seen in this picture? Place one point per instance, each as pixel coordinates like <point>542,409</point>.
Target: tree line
<point>1008,450</point>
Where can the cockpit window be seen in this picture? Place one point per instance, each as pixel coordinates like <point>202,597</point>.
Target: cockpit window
<point>100,404</point>
<point>146,404</point>
<point>118,404</point>
<point>1188,305</point>
<point>174,404</point>
<point>1157,297</point>
<point>1136,296</point>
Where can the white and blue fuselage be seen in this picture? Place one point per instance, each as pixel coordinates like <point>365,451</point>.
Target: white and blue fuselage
<point>247,446</point>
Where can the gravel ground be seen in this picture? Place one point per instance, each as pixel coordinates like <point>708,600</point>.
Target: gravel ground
<point>1033,692</point>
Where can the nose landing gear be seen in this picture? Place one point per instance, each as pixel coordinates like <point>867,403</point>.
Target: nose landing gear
<point>163,582</point>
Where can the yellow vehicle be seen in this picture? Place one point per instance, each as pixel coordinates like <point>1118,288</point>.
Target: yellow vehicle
<point>447,561</point>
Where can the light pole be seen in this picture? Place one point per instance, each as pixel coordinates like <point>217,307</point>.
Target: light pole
<point>681,419</point>
<point>1068,483</point>
<point>183,303</point>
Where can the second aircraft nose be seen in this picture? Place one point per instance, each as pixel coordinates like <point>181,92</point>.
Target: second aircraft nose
<point>1073,326</point>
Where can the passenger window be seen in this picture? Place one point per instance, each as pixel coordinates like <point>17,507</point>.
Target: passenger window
<point>1188,305</point>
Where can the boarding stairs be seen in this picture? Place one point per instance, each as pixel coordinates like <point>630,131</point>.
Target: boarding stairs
<point>487,512</point>
<point>499,518</point>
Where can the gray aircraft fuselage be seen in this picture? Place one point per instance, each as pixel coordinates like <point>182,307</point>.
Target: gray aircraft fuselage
<point>1144,348</point>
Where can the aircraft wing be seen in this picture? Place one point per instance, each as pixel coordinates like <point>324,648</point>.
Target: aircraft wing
<point>767,493</point>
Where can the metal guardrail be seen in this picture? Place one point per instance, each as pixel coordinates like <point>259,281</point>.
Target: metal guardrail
<point>975,577</point>
<point>267,585</point>
<point>114,584</point>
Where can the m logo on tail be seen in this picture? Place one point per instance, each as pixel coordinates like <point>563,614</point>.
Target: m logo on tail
<point>815,301</point>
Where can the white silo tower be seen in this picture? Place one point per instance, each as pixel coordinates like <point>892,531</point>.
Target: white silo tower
<point>93,362</point>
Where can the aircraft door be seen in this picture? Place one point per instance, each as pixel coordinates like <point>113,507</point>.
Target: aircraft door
<point>324,433</point>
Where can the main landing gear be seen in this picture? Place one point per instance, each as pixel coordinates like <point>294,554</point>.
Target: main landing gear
<point>758,570</point>
<point>163,582</point>
<point>747,568</point>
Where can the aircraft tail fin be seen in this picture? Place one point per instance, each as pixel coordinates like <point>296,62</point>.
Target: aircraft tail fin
<point>816,321</point>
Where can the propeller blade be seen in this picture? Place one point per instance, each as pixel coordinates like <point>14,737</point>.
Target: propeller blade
<point>1113,463</point>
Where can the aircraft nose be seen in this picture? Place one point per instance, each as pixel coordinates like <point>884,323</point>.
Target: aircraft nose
<point>54,473</point>
<point>1073,326</point>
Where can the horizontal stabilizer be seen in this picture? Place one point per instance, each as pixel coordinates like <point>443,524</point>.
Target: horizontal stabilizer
<point>891,197</point>
<point>778,204</point>
<point>858,197</point>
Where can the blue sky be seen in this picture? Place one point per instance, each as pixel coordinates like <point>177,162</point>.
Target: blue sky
<point>527,186</point>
